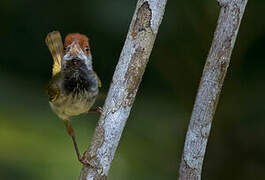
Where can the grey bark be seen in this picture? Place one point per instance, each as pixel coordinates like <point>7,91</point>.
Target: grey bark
<point>126,80</point>
<point>210,87</point>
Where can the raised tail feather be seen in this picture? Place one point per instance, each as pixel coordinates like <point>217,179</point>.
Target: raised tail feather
<point>54,42</point>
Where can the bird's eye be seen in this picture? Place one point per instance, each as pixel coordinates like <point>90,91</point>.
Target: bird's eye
<point>86,49</point>
<point>64,48</point>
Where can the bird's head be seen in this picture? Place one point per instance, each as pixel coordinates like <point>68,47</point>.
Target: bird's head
<point>77,50</point>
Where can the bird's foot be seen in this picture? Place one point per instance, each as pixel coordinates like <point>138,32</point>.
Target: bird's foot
<point>97,110</point>
<point>84,160</point>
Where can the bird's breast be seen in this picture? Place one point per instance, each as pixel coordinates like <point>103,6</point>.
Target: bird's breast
<point>78,94</point>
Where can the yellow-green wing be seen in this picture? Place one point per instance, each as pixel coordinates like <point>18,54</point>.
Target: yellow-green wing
<point>99,81</point>
<point>53,91</point>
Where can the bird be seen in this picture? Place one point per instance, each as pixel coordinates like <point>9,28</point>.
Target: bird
<point>74,85</point>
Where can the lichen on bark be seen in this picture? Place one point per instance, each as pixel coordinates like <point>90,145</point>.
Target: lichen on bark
<point>125,83</point>
<point>210,88</point>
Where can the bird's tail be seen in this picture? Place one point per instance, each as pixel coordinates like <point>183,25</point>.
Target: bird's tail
<point>54,42</point>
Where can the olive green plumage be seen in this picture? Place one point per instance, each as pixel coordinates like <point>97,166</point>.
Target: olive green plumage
<point>70,97</point>
<point>74,85</point>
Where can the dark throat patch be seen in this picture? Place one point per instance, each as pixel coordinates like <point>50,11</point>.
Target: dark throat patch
<point>76,77</point>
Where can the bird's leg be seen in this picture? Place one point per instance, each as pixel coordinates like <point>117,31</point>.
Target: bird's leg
<point>72,134</point>
<point>96,110</point>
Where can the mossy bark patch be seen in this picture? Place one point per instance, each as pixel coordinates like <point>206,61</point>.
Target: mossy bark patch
<point>134,75</point>
<point>143,19</point>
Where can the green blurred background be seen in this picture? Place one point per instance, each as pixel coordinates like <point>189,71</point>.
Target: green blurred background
<point>33,141</point>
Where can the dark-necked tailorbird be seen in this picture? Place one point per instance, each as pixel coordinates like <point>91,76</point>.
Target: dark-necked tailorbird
<point>74,85</point>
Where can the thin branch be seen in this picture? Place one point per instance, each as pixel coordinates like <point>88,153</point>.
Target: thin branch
<point>126,80</point>
<point>210,87</point>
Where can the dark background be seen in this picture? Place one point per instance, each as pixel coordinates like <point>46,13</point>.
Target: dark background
<point>33,141</point>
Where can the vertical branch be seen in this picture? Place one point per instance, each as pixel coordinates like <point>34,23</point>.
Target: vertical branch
<point>126,80</point>
<point>210,87</point>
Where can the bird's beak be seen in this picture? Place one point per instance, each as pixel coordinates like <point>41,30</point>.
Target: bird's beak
<point>74,52</point>
<point>75,49</point>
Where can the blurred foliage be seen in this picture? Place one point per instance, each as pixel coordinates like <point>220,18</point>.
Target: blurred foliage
<point>33,141</point>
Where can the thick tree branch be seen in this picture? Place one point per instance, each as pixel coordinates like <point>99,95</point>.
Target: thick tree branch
<point>126,80</point>
<point>210,87</point>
